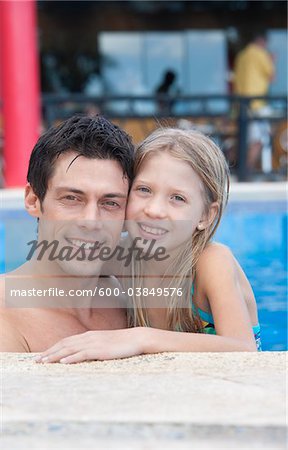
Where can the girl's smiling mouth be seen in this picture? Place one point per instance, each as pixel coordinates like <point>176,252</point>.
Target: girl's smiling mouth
<point>150,230</point>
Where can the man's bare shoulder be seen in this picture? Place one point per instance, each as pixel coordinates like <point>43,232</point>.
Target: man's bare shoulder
<point>2,291</point>
<point>7,281</point>
<point>11,340</point>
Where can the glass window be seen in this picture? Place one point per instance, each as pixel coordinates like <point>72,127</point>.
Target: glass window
<point>163,52</point>
<point>135,64</point>
<point>277,42</point>
<point>207,66</point>
<point>122,54</point>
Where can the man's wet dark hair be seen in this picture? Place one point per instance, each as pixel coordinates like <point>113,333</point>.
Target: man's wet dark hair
<point>91,137</point>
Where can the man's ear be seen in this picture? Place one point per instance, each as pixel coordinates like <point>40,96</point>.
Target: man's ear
<point>209,217</point>
<point>32,202</point>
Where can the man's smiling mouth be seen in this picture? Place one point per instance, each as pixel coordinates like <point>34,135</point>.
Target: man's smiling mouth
<point>86,245</point>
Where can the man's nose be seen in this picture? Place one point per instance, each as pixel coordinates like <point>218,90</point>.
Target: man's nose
<point>91,218</point>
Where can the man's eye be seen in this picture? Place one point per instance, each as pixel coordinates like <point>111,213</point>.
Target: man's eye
<point>111,204</point>
<point>70,198</point>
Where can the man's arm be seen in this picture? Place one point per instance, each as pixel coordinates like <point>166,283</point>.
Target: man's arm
<point>11,339</point>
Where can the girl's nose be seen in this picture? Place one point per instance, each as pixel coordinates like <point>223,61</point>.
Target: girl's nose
<point>156,209</point>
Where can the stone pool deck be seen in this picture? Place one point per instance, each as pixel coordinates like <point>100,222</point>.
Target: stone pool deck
<point>166,401</point>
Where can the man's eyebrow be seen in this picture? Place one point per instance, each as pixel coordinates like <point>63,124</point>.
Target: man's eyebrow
<point>115,194</point>
<point>78,191</point>
<point>70,189</point>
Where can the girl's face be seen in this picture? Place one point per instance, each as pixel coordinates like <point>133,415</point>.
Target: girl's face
<point>166,202</point>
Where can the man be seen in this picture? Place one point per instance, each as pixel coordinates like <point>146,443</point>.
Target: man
<point>254,71</point>
<point>78,181</point>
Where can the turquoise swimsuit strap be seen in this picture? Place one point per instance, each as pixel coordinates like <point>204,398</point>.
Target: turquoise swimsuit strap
<point>203,315</point>
<point>208,317</point>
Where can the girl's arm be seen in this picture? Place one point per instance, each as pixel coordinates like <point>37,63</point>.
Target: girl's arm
<point>116,344</point>
<point>217,275</point>
<point>218,280</point>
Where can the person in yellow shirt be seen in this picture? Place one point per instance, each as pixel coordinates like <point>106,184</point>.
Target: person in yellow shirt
<point>254,70</point>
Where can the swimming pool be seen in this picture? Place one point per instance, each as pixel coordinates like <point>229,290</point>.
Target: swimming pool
<point>256,232</point>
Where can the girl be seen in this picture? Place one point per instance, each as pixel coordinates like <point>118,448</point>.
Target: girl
<point>176,202</point>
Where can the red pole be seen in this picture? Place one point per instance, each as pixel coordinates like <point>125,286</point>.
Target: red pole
<point>20,87</point>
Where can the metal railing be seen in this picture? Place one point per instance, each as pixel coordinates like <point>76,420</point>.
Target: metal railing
<point>234,108</point>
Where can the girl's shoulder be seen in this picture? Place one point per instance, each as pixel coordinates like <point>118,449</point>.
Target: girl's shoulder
<point>213,265</point>
<point>218,271</point>
<point>216,260</point>
<point>215,252</point>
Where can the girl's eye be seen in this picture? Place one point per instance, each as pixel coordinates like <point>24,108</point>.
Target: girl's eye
<point>178,198</point>
<point>143,189</point>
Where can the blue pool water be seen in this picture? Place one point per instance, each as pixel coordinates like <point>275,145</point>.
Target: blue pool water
<point>257,235</point>
<point>255,232</point>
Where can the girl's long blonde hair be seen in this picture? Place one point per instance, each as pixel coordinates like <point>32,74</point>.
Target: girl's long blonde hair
<point>208,161</point>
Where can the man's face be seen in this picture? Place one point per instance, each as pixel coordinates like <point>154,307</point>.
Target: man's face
<point>84,206</point>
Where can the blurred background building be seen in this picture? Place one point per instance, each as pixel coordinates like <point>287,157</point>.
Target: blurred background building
<point>111,57</point>
<point>129,44</point>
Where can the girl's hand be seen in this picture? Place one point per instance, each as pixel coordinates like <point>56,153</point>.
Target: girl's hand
<point>95,345</point>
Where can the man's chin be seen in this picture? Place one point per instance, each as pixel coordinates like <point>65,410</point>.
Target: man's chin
<point>81,268</point>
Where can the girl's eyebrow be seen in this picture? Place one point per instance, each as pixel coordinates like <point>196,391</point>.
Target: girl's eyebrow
<point>140,181</point>
<point>174,189</point>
